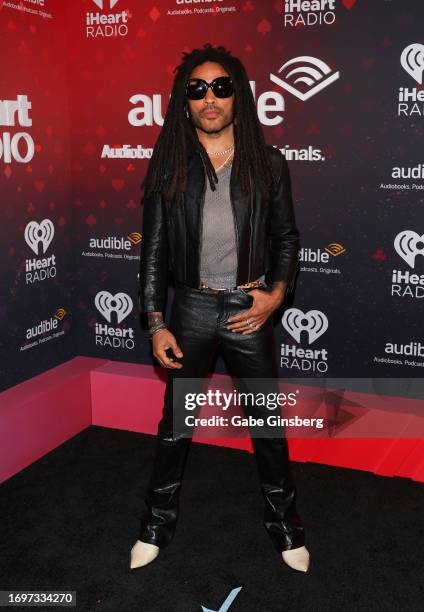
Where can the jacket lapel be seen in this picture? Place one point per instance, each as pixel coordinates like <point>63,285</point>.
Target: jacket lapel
<point>242,209</point>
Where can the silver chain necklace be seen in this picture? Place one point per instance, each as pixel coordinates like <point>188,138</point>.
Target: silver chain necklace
<point>222,165</point>
<point>220,152</point>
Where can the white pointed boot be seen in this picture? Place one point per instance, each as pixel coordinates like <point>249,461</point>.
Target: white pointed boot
<point>143,553</point>
<point>297,558</point>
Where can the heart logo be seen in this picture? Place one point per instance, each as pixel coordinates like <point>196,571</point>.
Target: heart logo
<point>408,244</point>
<point>120,303</point>
<point>314,322</point>
<point>101,4</point>
<point>36,233</point>
<point>348,3</point>
<point>412,60</point>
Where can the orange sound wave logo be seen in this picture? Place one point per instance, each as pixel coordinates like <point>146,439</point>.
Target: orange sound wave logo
<point>135,237</point>
<point>335,249</point>
<point>59,314</point>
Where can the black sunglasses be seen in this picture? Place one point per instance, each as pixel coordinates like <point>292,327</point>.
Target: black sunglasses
<point>222,87</point>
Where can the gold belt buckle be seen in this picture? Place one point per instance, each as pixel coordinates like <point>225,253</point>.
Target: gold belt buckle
<point>203,286</point>
<point>250,285</point>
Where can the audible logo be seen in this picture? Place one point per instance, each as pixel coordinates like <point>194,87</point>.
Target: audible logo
<point>411,177</point>
<point>319,256</point>
<point>304,76</point>
<point>315,324</point>
<point>135,237</point>
<point>113,242</point>
<point>38,332</point>
<point>60,313</point>
<point>335,249</point>
<point>147,109</point>
<point>412,349</point>
<point>114,247</point>
<point>114,308</point>
<point>410,354</point>
<point>38,237</point>
<point>408,172</point>
<point>314,76</point>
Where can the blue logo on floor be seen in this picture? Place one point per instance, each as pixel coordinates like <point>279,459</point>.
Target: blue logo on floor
<point>227,603</point>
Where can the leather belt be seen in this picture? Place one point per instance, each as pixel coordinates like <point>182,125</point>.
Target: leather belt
<point>250,285</point>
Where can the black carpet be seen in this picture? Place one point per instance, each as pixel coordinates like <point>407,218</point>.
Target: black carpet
<point>69,521</point>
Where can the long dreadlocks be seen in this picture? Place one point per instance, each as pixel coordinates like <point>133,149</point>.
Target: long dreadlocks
<point>167,170</point>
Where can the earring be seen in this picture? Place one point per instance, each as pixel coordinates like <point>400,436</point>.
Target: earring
<point>187,113</point>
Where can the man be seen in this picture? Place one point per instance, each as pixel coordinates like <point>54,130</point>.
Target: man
<point>218,215</point>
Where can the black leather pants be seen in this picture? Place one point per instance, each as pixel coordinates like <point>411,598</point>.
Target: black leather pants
<point>198,321</point>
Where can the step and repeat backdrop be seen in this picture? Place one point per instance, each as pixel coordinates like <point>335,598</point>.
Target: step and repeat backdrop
<point>37,239</point>
<point>339,90</point>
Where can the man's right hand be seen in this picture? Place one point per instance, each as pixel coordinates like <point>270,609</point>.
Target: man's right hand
<point>162,340</point>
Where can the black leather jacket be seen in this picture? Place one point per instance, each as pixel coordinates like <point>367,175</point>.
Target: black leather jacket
<point>267,237</point>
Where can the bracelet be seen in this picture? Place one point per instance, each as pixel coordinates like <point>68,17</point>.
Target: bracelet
<point>157,328</point>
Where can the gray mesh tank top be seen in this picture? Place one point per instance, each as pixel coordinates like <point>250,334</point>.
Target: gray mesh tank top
<point>218,254</point>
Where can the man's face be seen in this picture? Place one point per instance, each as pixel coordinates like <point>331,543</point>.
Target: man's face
<point>211,114</point>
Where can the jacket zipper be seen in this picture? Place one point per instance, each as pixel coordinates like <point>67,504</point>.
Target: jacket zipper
<point>235,226</point>
<point>202,203</point>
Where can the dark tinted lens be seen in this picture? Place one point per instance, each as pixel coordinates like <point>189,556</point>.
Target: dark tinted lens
<point>196,89</point>
<point>222,87</point>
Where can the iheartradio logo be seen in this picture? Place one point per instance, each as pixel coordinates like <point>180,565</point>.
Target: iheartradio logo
<point>108,3</point>
<point>39,233</point>
<point>412,61</point>
<point>408,244</point>
<point>120,303</point>
<point>304,76</point>
<point>314,322</point>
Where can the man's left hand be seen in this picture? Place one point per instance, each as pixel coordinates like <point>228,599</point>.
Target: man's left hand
<point>264,304</point>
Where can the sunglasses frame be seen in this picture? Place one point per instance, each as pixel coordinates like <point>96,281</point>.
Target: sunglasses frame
<point>211,85</point>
